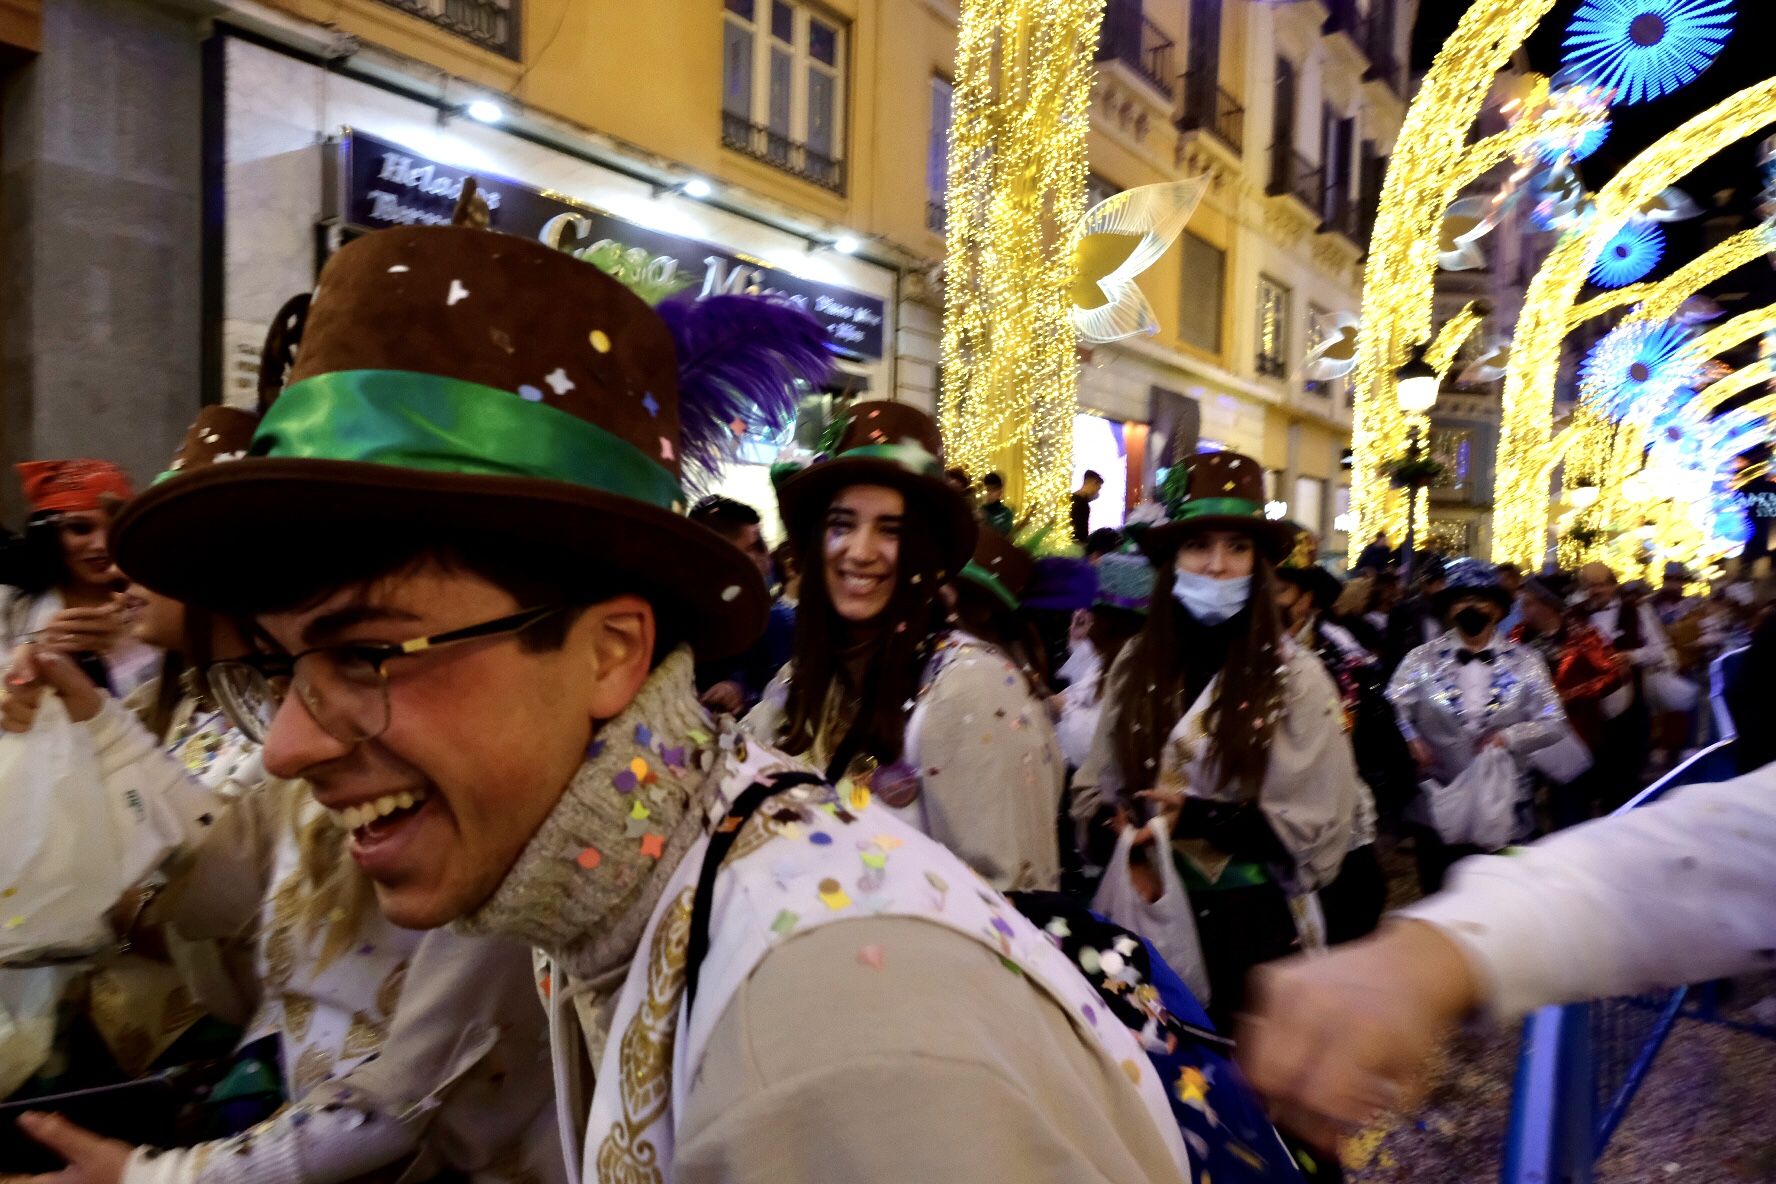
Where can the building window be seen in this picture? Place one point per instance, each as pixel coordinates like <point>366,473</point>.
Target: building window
<point>492,24</point>
<point>1098,190</point>
<point>1309,507</point>
<point>783,88</point>
<point>1453,448</point>
<point>1318,329</point>
<point>1273,328</point>
<point>937,154</point>
<point>1199,313</point>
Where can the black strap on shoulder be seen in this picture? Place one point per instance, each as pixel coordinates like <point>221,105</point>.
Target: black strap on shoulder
<point>721,841</point>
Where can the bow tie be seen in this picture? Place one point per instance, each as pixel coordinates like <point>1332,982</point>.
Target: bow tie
<point>1466,656</point>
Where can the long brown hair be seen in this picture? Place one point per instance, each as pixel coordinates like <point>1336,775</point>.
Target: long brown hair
<point>1248,700</point>
<point>905,631</point>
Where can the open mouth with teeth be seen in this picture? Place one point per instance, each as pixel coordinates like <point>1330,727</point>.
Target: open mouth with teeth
<point>369,821</point>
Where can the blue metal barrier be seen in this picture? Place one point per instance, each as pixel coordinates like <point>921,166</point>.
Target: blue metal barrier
<point>1582,1063</point>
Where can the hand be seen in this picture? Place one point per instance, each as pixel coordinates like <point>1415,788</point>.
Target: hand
<point>35,670</point>
<point>92,1159</point>
<point>1335,1039</point>
<point>727,697</point>
<point>1169,801</point>
<point>1421,752</point>
<point>86,630</point>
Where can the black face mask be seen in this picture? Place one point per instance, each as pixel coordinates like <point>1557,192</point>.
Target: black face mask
<point>1472,621</point>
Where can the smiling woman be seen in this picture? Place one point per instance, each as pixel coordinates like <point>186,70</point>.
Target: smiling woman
<point>882,691</point>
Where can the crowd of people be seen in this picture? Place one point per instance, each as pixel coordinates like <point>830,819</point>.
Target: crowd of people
<point>472,811</point>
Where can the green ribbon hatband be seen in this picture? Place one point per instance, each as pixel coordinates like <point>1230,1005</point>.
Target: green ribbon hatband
<point>444,425</point>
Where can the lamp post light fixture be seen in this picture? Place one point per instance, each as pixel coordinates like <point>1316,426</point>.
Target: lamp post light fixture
<point>1416,384</point>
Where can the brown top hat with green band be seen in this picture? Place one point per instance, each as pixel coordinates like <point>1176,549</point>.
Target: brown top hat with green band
<point>891,444</point>
<point>1217,491</point>
<point>1001,567</point>
<point>218,435</point>
<point>450,378</point>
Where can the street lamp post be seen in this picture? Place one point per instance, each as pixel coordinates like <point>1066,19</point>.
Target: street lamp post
<point>1416,384</point>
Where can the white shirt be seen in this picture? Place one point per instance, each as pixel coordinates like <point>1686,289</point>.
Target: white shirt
<point>1654,649</point>
<point>1680,891</point>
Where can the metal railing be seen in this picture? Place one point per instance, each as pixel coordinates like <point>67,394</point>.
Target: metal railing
<point>1296,175</point>
<point>1375,34</point>
<point>798,160</point>
<point>1130,38</point>
<point>491,24</point>
<point>1208,107</point>
<point>1583,1063</point>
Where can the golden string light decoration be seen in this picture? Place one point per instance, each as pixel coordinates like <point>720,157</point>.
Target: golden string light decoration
<point>1729,334</point>
<point>1017,172</point>
<point>1669,294</point>
<point>1711,397</point>
<point>1431,162</point>
<point>1452,336</point>
<point>1520,515</point>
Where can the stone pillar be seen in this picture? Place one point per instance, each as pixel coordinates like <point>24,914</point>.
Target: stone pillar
<point>100,304</point>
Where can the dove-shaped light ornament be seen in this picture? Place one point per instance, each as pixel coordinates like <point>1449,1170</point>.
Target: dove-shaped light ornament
<point>1465,223</point>
<point>1489,365</point>
<point>1336,354</point>
<point>1117,240</point>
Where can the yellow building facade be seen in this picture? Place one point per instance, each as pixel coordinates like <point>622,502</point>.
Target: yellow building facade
<point>804,138</point>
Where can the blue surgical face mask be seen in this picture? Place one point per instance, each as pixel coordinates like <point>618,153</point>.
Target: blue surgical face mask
<point>1210,600</point>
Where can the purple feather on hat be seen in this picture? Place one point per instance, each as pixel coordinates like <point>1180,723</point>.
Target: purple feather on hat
<point>1061,583</point>
<point>739,358</point>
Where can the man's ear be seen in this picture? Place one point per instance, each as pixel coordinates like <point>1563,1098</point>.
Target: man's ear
<point>616,641</point>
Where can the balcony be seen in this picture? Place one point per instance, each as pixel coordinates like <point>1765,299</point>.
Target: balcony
<point>1375,34</point>
<point>1139,44</point>
<point>491,24</point>
<point>1272,366</point>
<point>1295,175</point>
<point>779,151</point>
<point>1208,107</point>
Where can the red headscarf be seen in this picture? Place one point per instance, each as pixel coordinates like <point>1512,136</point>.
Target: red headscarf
<point>72,486</point>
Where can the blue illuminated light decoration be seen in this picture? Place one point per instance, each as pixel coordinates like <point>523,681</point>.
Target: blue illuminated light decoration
<point>1552,148</point>
<point>1642,49</point>
<point>1632,365</point>
<point>1630,255</point>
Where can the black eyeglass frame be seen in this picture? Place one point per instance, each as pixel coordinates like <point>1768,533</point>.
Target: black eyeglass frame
<point>376,654</point>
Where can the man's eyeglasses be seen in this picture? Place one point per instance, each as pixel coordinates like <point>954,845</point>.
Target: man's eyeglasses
<point>344,687</point>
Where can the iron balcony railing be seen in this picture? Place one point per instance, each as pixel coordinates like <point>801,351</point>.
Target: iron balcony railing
<point>491,24</point>
<point>1208,107</point>
<point>1296,175</point>
<point>1375,34</point>
<point>1130,38</point>
<point>798,160</point>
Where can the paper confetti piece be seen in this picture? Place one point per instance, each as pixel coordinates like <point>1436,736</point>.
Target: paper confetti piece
<point>858,798</point>
<point>674,757</point>
<point>1088,960</point>
<point>832,895</point>
<point>14,922</point>
<point>639,812</point>
<point>589,859</point>
<point>665,448</point>
<point>698,736</point>
<point>653,845</point>
<point>644,736</point>
<point>530,394</point>
<point>820,839</point>
<point>558,381</point>
<point>887,842</point>
<point>875,860</point>
<point>457,292</point>
<point>639,767</point>
<point>650,404</point>
<point>595,750</point>
<point>634,828</point>
<point>8,893</point>
<point>625,781</point>
<point>731,592</point>
<point>601,341</point>
<point>1133,1071</point>
<point>784,923</point>
<point>870,956</point>
<point>398,268</point>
